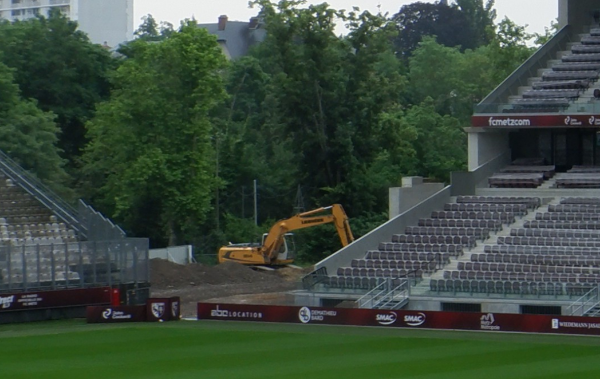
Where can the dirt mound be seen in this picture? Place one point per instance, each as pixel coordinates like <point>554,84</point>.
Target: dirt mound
<point>165,274</point>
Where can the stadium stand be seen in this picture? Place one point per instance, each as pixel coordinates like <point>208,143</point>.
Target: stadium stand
<point>46,245</point>
<point>522,226</point>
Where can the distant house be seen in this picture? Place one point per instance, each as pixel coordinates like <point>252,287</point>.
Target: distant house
<point>236,37</point>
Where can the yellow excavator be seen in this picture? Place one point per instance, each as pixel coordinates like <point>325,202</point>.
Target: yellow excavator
<point>275,249</point>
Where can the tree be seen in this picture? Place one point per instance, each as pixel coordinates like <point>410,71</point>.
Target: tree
<point>448,23</point>
<point>29,136</point>
<point>481,19</point>
<point>56,65</point>
<point>329,95</point>
<point>150,159</point>
<point>441,144</point>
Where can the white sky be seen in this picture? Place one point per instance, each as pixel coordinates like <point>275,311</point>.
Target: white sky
<point>535,13</point>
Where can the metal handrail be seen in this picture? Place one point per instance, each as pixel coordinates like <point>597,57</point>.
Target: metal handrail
<point>369,296</point>
<point>393,294</point>
<point>310,280</point>
<point>41,192</point>
<point>382,295</point>
<point>580,303</point>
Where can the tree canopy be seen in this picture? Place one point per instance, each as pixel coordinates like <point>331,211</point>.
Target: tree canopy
<point>55,64</point>
<point>151,141</point>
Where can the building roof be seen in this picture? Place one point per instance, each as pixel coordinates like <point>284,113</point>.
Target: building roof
<point>236,36</point>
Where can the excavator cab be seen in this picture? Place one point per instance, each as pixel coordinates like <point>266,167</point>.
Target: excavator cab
<point>287,250</point>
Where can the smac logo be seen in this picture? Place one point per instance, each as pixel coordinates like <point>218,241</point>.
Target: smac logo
<point>415,319</point>
<point>386,318</point>
<point>7,301</point>
<point>487,322</point>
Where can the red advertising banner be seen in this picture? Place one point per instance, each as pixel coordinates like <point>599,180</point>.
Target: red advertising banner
<point>526,121</point>
<point>115,314</point>
<point>54,299</point>
<point>493,322</point>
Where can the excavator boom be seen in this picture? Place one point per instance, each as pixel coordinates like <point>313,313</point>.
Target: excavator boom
<point>269,252</point>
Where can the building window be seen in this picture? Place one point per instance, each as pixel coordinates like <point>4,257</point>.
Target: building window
<point>16,1</point>
<point>16,12</point>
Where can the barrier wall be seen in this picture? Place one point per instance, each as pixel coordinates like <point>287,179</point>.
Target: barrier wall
<point>492,322</point>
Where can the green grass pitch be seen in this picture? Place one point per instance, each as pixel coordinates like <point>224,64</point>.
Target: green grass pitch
<point>73,349</point>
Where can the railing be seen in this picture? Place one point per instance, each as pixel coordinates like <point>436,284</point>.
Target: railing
<point>585,303</point>
<point>98,227</point>
<point>311,280</point>
<point>42,193</point>
<point>386,295</point>
<point>74,265</point>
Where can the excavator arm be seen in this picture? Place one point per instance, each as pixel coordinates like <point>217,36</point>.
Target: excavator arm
<point>332,214</point>
<point>267,253</point>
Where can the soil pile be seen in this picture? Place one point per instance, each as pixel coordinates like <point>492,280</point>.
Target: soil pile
<point>165,274</point>
<point>227,282</point>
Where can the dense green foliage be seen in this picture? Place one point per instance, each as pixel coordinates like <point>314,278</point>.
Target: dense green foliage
<point>167,138</point>
<point>149,157</point>
<point>56,65</point>
<point>215,350</point>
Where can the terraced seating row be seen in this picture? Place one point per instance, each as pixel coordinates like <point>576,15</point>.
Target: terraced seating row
<point>525,268</point>
<point>569,75</point>
<point>568,216</point>
<point>575,208</point>
<point>38,218</point>
<point>547,171</point>
<point>577,66</point>
<point>43,279</point>
<point>554,233</point>
<point>585,49</point>
<point>538,259</point>
<point>548,241</point>
<point>402,256</point>
<point>562,84</point>
<point>583,170</point>
<point>531,202</point>
<point>552,93</point>
<point>517,209</point>
<point>549,224</point>
<point>509,287</point>
<point>384,247</point>
<point>478,233</point>
<point>522,276</point>
<point>531,180</point>
<point>578,180</point>
<point>546,250</point>
<point>493,225</point>
<point>443,240</point>
<point>19,211</point>
<point>419,267</point>
<point>415,272</point>
<point>504,217</point>
<point>348,282</point>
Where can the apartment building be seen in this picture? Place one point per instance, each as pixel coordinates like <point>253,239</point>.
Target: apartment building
<point>105,21</point>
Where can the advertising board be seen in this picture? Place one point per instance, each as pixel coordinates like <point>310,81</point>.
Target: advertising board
<point>54,299</point>
<point>490,322</point>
